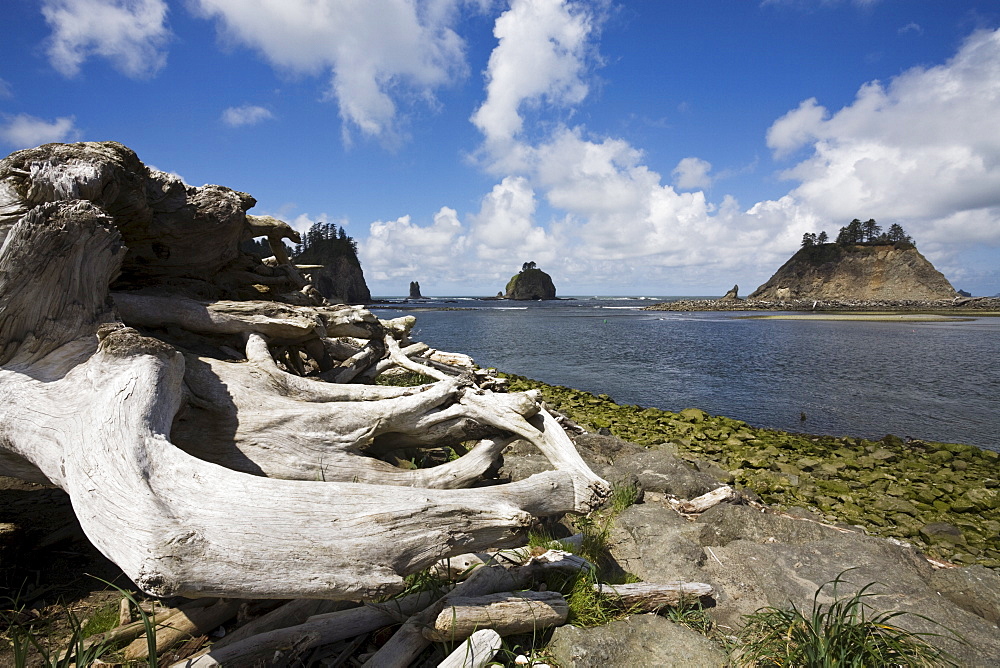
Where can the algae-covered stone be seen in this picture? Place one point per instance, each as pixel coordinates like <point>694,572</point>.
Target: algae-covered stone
<point>983,499</point>
<point>942,532</point>
<point>693,415</point>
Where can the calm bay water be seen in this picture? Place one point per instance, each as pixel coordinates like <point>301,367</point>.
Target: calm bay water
<point>936,381</point>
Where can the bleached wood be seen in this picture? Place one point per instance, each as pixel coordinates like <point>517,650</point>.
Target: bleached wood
<point>477,650</point>
<point>183,626</point>
<point>650,596</point>
<point>491,578</point>
<point>292,613</point>
<point>319,630</point>
<point>705,501</point>
<point>508,613</point>
<point>93,405</point>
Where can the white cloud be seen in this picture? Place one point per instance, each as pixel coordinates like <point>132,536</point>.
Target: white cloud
<point>540,57</point>
<point>6,91</point>
<point>246,114</point>
<point>24,131</point>
<point>922,150</point>
<point>796,128</point>
<point>132,34</point>
<point>911,27</point>
<point>692,173</point>
<point>372,51</point>
<point>400,249</point>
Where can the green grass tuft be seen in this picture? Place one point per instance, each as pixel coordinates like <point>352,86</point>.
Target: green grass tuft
<point>844,633</point>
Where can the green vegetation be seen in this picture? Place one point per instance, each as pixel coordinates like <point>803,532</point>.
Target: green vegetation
<point>860,233</point>
<point>325,242</point>
<point>942,497</point>
<point>844,633</point>
<point>322,244</point>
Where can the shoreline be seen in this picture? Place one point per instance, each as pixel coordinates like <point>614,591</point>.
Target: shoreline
<point>943,498</point>
<point>969,306</point>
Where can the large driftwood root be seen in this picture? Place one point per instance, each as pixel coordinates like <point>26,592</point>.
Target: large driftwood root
<point>200,446</point>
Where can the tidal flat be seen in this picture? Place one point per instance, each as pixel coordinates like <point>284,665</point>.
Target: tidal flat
<point>943,498</point>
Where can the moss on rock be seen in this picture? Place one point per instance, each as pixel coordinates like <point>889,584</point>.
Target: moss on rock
<point>890,487</point>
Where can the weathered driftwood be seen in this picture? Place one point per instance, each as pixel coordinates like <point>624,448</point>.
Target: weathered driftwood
<point>183,626</point>
<point>239,478</point>
<point>705,501</point>
<point>319,630</point>
<point>491,578</point>
<point>288,614</point>
<point>507,613</point>
<point>477,651</point>
<point>651,596</point>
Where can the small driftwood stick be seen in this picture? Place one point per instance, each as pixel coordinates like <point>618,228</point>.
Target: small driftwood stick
<point>292,613</point>
<point>318,630</point>
<point>124,612</point>
<point>409,641</point>
<point>705,501</point>
<point>476,652</point>
<point>507,613</point>
<point>183,626</point>
<point>650,596</point>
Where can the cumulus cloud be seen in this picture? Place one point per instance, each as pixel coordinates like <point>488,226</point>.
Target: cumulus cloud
<point>606,212</point>
<point>692,173</point>
<point>796,128</point>
<point>24,131</point>
<point>246,114</point>
<point>922,150</point>
<point>372,52</point>
<point>539,58</point>
<point>132,34</point>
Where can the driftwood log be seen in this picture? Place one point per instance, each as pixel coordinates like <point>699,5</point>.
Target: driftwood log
<point>176,388</point>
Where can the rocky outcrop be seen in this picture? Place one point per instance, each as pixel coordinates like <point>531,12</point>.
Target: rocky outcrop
<point>866,272</point>
<point>342,281</point>
<point>415,290</point>
<point>733,295</point>
<point>530,283</point>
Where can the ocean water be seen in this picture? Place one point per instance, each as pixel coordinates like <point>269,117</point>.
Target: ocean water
<point>927,380</point>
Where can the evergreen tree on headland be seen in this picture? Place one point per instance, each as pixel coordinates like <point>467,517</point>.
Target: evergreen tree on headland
<point>323,243</point>
<point>897,234</point>
<point>857,233</point>
<point>871,230</point>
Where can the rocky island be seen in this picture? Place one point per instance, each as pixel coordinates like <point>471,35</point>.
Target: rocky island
<point>530,283</point>
<point>863,270</point>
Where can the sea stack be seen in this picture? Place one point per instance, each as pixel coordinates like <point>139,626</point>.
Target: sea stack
<point>415,290</point>
<point>835,271</point>
<point>530,283</point>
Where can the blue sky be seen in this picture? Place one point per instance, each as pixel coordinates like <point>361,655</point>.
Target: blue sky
<point>648,147</point>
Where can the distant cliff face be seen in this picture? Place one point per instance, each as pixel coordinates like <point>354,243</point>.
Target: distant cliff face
<point>832,271</point>
<point>342,281</point>
<point>530,284</point>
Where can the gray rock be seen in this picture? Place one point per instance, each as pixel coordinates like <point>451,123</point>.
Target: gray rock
<point>749,575</point>
<point>725,523</point>
<point>975,589</point>
<point>641,640</point>
<point>659,471</point>
<point>656,544</point>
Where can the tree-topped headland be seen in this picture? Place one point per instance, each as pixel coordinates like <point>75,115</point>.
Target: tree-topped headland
<point>864,263</point>
<point>530,283</point>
